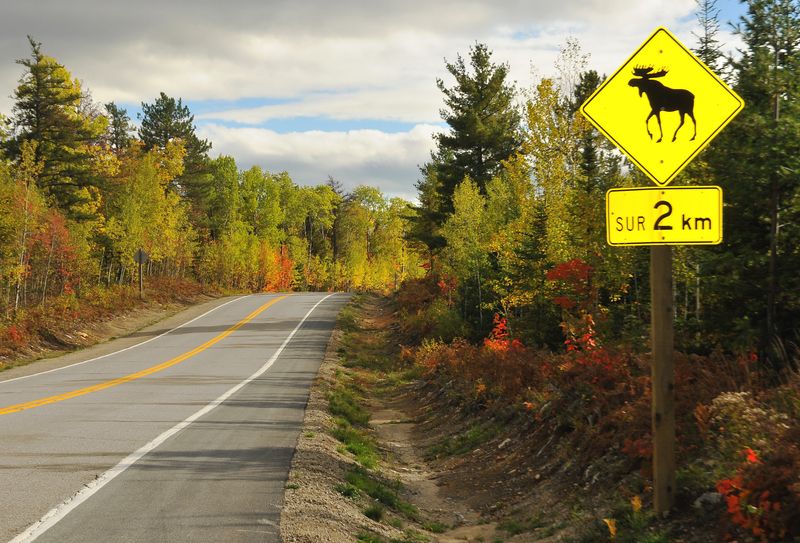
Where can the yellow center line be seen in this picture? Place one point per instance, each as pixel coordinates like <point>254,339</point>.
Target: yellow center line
<point>139,374</point>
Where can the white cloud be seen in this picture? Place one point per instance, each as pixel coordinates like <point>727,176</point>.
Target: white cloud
<point>355,157</point>
<point>340,60</point>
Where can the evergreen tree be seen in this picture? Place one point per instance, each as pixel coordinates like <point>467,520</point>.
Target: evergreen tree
<point>758,156</point>
<point>50,110</point>
<point>120,128</point>
<point>167,119</point>
<point>428,216</point>
<point>708,48</point>
<point>484,124</point>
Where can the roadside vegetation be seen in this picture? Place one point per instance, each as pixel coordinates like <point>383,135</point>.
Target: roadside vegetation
<point>369,367</point>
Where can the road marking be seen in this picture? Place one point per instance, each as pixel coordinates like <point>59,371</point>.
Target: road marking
<point>52,517</point>
<point>126,348</point>
<point>16,408</point>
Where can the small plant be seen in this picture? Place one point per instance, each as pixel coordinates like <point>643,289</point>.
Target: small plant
<point>435,527</point>
<point>387,494</point>
<point>514,526</point>
<point>763,497</point>
<point>366,537</point>
<point>292,486</point>
<point>347,490</point>
<point>374,512</point>
<point>357,443</point>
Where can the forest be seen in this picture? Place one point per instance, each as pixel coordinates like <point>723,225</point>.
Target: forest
<point>82,188</point>
<point>501,269</point>
<point>528,308</point>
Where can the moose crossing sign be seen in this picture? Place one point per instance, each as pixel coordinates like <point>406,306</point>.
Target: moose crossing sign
<point>662,107</point>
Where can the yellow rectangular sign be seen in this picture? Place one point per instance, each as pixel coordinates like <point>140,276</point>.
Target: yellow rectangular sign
<point>664,216</point>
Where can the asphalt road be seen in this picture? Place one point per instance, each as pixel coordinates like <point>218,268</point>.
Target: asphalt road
<point>186,437</point>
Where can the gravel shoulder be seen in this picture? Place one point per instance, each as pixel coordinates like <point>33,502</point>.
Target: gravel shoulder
<point>316,511</point>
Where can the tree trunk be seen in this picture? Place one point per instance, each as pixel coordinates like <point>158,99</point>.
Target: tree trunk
<point>47,270</point>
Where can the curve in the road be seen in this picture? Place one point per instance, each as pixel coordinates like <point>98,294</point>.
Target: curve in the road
<point>139,374</point>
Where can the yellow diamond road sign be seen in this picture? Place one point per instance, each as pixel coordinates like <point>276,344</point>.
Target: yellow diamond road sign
<point>662,107</point>
<point>664,216</point>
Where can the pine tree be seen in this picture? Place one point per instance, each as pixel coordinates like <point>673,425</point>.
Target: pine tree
<point>50,109</point>
<point>120,128</point>
<point>758,156</point>
<point>708,47</point>
<point>166,120</point>
<point>484,124</point>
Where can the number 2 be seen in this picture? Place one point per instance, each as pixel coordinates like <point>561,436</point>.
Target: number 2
<point>658,225</point>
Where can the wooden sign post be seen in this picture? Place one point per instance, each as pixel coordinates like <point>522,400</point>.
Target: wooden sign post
<point>140,257</point>
<point>662,378</point>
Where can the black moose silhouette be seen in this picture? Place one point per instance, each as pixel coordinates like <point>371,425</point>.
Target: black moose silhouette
<point>662,98</point>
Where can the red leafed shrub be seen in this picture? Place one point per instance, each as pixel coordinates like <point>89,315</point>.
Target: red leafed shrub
<point>499,340</point>
<point>575,272</point>
<point>416,294</point>
<point>763,496</point>
<point>16,335</point>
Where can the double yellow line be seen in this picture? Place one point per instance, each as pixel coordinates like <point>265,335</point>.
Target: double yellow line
<point>139,374</point>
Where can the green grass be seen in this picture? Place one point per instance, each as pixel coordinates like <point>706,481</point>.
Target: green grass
<point>343,403</point>
<point>386,493</point>
<point>366,537</point>
<point>347,490</point>
<point>358,443</point>
<point>347,321</point>
<point>435,527</point>
<point>516,526</point>
<point>465,442</point>
<point>374,512</point>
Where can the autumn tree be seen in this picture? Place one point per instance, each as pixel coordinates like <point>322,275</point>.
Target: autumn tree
<point>467,234</point>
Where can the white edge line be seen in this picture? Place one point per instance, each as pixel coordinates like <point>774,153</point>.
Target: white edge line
<point>121,350</point>
<point>52,517</point>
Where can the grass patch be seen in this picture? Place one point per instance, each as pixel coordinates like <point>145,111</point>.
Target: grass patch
<point>516,526</point>
<point>387,494</point>
<point>358,443</point>
<point>374,512</point>
<point>347,321</point>
<point>465,442</point>
<point>435,527</point>
<point>343,403</point>
<point>366,537</point>
<point>347,490</point>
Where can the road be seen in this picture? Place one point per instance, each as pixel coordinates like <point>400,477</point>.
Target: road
<point>187,436</point>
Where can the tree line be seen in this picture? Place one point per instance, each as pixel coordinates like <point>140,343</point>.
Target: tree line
<point>82,188</point>
<point>511,203</point>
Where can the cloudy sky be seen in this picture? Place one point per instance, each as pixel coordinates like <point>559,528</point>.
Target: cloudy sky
<point>343,88</point>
